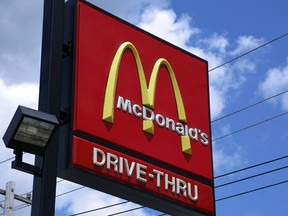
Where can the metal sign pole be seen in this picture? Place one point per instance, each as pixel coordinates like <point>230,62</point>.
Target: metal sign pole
<point>44,187</point>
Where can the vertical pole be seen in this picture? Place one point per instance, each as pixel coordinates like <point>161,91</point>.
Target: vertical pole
<point>9,198</point>
<point>44,187</point>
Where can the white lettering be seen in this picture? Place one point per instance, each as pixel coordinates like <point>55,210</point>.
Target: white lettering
<point>180,186</point>
<point>141,171</point>
<point>193,134</point>
<point>137,111</point>
<point>195,197</point>
<point>170,122</point>
<point>180,128</point>
<point>148,114</point>
<point>168,183</point>
<point>112,160</point>
<point>160,120</point>
<point>159,174</point>
<point>129,169</point>
<point>126,105</point>
<point>204,139</point>
<point>115,165</point>
<point>186,129</point>
<point>120,165</point>
<point>102,158</point>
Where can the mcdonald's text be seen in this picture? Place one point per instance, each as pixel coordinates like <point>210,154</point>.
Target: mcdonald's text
<point>163,122</point>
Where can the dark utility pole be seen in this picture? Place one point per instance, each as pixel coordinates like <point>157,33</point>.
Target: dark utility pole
<point>44,186</point>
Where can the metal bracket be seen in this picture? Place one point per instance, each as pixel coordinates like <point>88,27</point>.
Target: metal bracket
<point>65,116</point>
<point>25,167</point>
<point>67,49</point>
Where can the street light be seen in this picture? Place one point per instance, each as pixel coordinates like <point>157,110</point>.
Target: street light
<point>29,131</point>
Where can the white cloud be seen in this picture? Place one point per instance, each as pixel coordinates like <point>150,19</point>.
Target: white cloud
<point>225,161</point>
<point>93,199</point>
<point>11,96</point>
<point>276,81</point>
<point>130,10</point>
<point>20,24</point>
<point>20,38</point>
<point>165,24</point>
<point>217,42</point>
<point>227,156</point>
<point>246,43</point>
<point>218,101</point>
<point>244,65</point>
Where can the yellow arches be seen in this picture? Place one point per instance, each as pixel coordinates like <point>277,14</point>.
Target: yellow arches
<point>147,93</point>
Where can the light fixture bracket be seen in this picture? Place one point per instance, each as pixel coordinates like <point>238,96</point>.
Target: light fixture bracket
<point>25,167</point>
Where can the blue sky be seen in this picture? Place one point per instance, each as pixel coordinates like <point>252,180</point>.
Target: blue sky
<point>216,31</point>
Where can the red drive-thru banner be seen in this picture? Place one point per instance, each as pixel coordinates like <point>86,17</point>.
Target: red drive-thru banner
<point>141,111</point>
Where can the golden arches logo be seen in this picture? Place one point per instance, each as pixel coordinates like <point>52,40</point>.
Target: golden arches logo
<point>147,93</point>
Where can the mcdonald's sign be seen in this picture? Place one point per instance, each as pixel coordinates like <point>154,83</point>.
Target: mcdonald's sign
<point>141,120</point>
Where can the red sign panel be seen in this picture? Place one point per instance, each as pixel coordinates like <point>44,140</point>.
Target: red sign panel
<point>137,173</point>
<point>143,95</point>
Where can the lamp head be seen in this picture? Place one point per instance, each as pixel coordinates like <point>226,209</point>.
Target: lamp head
<point>30,131</point>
